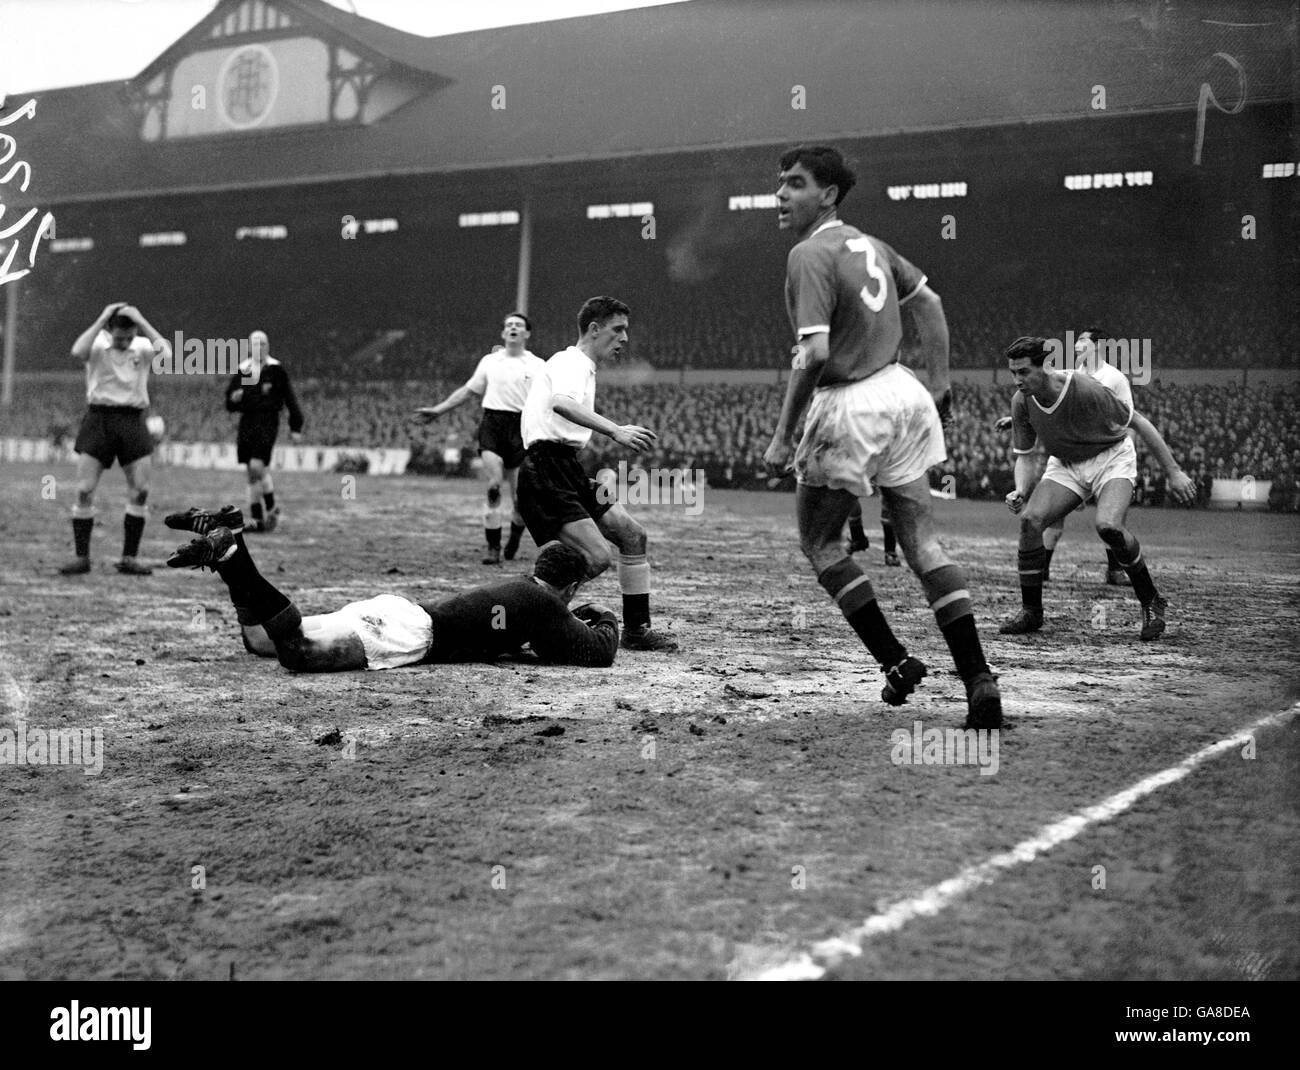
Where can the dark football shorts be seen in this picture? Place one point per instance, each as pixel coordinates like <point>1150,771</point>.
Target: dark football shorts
<point>114,433</point>
<point>554,491</point>
<point>500,432</point>
<point>256,439</point>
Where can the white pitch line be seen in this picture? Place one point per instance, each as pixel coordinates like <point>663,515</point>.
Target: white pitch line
<point>827,954</point>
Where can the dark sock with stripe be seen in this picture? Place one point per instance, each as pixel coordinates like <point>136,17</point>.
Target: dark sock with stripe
<point>849,587</point>
<point>81,528</point>
<point>132,529</point>
<point>855,527</point>
<point>1031,564</point>
<point>1130,560</point>
<point>493,536</point>
<point>945,590</point>
<point>1112,560</point>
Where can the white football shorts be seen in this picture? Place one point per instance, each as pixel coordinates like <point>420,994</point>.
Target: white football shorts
<point>1086,478</point>
<point>393,630</point>
<point>882,430</point>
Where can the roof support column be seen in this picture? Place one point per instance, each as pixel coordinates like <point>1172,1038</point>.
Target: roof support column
<point>525,254</point>
<point>11,343</point>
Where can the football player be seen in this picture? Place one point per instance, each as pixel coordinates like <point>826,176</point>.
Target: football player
<point>118,350</point>
<point>501,380</point>
<point>1083,426</point>
<point>388,631</point>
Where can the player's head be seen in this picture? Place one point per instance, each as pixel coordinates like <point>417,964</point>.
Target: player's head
<point>1087,345</point>
<point>259,345</point>
<point>813,180</point>
<point>516,328</point>
<point>602,327</point>
<point>1025,357</point>
<point>123,329</point>
<point>561,567</point>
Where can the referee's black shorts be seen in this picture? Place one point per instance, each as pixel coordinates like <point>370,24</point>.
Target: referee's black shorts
<point>256,439</point>
<point>501,433</point>
<point>554,491</point>
<point>111,433</point>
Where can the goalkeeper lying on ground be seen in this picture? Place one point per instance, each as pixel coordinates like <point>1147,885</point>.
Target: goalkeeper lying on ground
<point>388,631</point>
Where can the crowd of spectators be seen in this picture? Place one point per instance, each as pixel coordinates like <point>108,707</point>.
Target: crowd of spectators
<point>1214,431</point>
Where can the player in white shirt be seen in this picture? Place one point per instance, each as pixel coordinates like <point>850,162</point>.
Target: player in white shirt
<point>1087,358</point>
<point>118,350</point>
<point>557,498</point>
<point>501,379</point>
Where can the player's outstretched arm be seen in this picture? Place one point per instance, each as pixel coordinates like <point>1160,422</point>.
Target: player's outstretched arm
<point>588,636</point>
<point>632,436</point>
<point>81,347</point>
<point>926,310</point>
<point>1179,482</point>
<point>457,397</point>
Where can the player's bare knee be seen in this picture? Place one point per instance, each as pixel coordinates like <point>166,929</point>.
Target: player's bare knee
<point>85,497</point>
<point>1033,524</point>
<point>139,496</point>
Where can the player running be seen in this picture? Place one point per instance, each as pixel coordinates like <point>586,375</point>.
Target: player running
<point>556,498</point>
<point>870,420</point>
<point>1083,427</point>
<point>258,392</point>
<point>388,631</point>
<point>501,379</point>
<point>118,350</point>
<point>1088,359</point>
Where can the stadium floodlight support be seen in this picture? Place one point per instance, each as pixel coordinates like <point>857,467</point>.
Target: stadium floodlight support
<point>11,340</point>
<point>525,254</point>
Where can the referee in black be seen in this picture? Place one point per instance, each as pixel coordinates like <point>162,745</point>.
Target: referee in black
<point>258,391</point>
<point>118,350</point>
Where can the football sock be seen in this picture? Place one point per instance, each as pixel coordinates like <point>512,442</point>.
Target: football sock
<point>1130,560</point>
<point>268,493</point>
<point>1112,560</point>
<point>255,502</point>
<point>945,590</point>
<point>850,589</point>
<point>1031,564</point>
<point>891,542</point>
<point>516,534</point>
<point>83,521</point>
<point>264,602</point>
<point>492,527</point>
<point>132,529</point>
<point>634,582</point>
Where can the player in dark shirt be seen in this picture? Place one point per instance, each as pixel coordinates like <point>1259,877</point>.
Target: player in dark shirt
<point>258,392</point>
<point>389,631</point>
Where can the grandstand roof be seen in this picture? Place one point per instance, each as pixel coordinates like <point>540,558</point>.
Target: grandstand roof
<point>706,75</point>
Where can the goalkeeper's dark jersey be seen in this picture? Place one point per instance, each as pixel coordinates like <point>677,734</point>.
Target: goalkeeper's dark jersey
<point>499,618</point>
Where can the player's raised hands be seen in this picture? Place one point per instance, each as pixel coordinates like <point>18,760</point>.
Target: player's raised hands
<point>112,309</point>
<point>131,311</point>
<point>1181,487</point>
<point>634,437</point>
<point>1015,501</point>
<point>1002,424</point>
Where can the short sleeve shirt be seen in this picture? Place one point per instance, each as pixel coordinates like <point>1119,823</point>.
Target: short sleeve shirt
<point>503,381</point>
<point>118,377</point>
<point>569,373</point>
<point>1085,420</point>
<point>850,285</point>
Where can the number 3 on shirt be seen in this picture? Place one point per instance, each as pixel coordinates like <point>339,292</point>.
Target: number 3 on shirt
<point>863,245</point>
